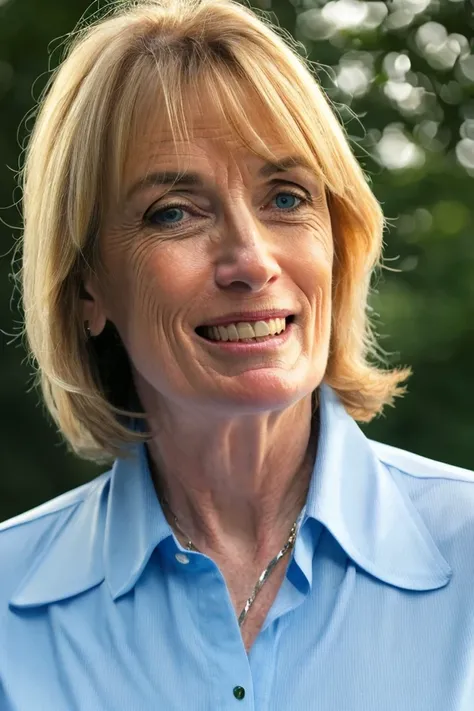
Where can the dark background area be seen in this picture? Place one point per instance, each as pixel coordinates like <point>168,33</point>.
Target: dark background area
<point>401,76</point>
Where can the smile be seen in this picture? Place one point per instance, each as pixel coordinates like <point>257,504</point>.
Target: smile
<point>242,340</point>
<point>245,331</point>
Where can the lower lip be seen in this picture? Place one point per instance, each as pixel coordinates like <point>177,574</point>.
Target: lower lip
<point>256,346</point>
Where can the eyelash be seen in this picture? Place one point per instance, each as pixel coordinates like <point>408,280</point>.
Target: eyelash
<point>304,200</point>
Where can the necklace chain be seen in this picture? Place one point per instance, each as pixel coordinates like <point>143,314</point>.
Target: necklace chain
<point>271,566</point>
<point>264,575</point>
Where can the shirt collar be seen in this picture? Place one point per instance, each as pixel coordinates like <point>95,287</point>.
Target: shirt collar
<point>112,533</point>
<point>354,495</point>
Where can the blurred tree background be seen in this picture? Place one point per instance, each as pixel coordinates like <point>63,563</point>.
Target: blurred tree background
<point>401,75</point>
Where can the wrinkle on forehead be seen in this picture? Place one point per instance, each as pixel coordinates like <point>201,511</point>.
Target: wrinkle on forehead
<point>214,152</point>
<point>205,123</point>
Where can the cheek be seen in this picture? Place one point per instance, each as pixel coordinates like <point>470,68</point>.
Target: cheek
<point>314,269</point>
<point>315,258</point>
<point>160,281</point>
<point>168,275</point>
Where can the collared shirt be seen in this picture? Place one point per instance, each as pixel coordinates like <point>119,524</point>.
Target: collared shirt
<point>102,609</point>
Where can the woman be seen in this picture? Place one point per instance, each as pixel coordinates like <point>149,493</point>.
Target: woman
<point>198,248</point>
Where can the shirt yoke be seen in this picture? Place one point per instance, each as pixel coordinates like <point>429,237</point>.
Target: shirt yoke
<point>24,538</point>
<point>55,505</point>
<point>418,466</point>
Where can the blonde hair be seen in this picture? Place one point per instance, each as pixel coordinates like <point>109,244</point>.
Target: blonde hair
<point>90,113</point>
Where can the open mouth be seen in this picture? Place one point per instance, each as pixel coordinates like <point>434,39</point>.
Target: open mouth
<point>247,332</point>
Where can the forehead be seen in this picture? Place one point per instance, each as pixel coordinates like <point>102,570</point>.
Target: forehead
<point>215,149</point>
<point>211,140</point>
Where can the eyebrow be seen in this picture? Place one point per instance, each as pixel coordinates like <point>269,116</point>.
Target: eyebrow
<point>195,179</point>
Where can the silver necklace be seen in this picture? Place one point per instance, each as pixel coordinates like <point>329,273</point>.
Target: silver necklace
<point>265,574</point>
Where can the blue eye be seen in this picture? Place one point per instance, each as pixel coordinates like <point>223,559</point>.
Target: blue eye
<point>170,215</point>
<point>285,197</point>
<point>171,212</point>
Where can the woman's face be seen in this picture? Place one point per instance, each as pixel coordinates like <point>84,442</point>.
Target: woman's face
<point>237,238</point>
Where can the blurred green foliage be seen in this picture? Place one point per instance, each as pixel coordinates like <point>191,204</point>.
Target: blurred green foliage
<point>400,74</point>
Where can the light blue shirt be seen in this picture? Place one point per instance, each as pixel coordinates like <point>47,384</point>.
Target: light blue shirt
<point>101,608</point>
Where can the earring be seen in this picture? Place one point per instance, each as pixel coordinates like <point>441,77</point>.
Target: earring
<point>88,331</point>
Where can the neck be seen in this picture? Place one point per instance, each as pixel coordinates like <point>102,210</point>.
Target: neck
<point>236,489</point>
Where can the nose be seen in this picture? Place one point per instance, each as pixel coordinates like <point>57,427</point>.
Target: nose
<point>247,259</point>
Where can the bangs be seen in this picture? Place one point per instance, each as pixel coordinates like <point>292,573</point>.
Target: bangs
<point>157,103</point>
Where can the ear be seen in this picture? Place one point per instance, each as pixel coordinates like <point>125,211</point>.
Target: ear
<point>93,310</point>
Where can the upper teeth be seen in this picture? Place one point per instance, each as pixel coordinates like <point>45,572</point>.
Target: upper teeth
<point>256,329</point>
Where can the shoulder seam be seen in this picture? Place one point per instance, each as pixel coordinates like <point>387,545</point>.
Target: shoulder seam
<point>90,488</point>
<point>433,469</point>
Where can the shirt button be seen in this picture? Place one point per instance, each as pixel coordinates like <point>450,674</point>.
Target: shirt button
<point>239,692</point>
<point>181,558</point>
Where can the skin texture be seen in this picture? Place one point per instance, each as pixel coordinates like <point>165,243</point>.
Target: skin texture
<point>232,432</point>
